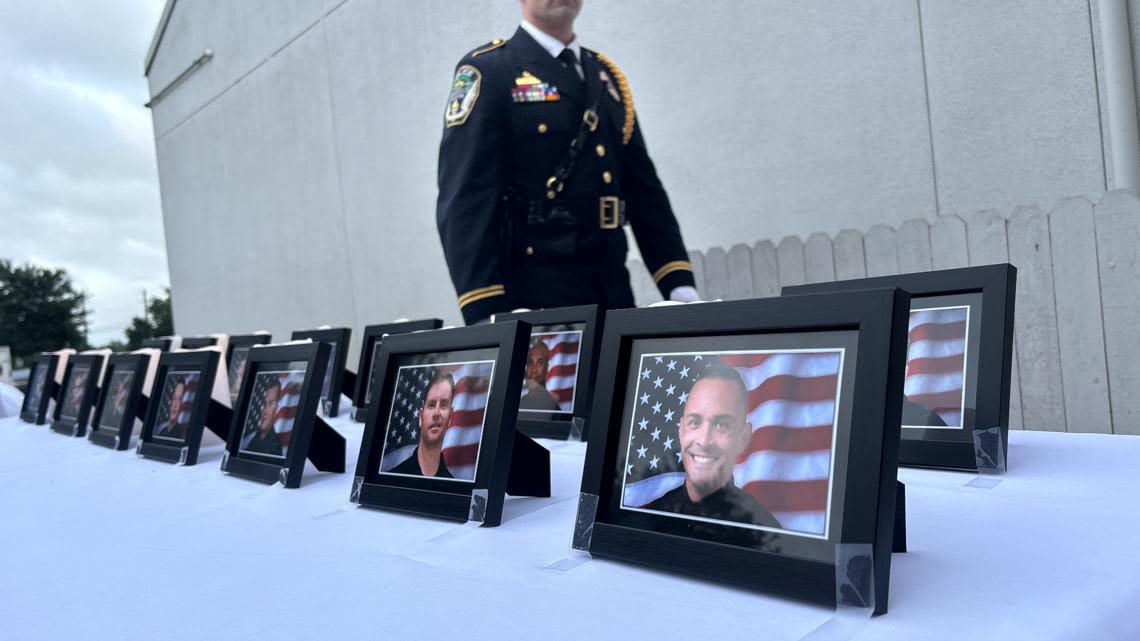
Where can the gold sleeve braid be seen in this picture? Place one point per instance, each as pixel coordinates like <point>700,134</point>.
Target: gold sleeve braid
<point>626,96</point>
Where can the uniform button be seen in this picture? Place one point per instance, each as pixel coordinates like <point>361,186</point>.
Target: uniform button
<point>497,41</point>
<point>607,177</point>
<point>542,127</point>
<point>601,149</point>
<point>530,251</point>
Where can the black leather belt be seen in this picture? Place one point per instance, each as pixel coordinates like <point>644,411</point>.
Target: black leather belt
<point>607,212</point>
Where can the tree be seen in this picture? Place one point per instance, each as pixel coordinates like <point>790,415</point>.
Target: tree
<point>157,320</point>
<point>40,310</point>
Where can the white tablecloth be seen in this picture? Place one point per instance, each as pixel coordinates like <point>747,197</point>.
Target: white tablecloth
<point>98,544</point>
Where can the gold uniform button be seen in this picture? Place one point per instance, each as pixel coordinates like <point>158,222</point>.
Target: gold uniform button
<point>542,127</point>
<point>601,149</point>
<point>530,251</point>
<point>497,41</point>
<point>607,177</point>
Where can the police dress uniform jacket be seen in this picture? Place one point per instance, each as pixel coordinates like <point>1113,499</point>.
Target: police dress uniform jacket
<point>520,225</point>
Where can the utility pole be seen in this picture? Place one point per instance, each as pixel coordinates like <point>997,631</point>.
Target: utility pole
<point>86,340</point>
<point>146,308</point>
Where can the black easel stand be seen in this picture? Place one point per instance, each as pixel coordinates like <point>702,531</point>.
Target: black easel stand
<point>326,448</point>
<point>529,474</point>
<point>900,518</point>
<point>143,406</point>
<point>348,384</point>
<point>218,418</point>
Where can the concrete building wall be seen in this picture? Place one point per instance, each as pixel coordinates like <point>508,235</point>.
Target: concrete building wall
<point>298,165</point>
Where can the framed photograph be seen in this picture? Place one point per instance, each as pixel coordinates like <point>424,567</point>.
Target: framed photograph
<point>747,441</point>
<point>440,438</point>
<point>162,344</point>
<point>558,380</point>
<point>331,388</point>
<point>179,407</point>
<point>370,347</point>
<point>79,390</point>
<point>41,383</point>
<point>275,417</point>
<point>237,355</point>
<point>958,363</point>
<point>198,342</point>
<point>121,401</point>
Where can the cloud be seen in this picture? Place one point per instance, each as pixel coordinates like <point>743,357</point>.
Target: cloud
<point>78,183</point>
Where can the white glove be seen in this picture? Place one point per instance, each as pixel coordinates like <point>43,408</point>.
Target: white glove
<point>684,294</point>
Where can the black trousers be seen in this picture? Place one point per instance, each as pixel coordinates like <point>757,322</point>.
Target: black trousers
<point>553,266</point>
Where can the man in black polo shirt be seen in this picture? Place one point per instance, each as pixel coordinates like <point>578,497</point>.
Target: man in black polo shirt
<point>435,418</point>
<point>714,431</point>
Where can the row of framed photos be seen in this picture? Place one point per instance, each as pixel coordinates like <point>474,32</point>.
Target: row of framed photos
<point>755,442</point>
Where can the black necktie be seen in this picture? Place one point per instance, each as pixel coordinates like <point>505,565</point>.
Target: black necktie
<point>570,61</point>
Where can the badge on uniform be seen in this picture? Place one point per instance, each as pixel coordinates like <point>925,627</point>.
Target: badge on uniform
<point>609,85</point>
<point>529,88</point>
<point>464,93</point>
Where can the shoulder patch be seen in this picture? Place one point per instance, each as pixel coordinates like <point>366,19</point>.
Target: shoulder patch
<point>626,95</point>
<point>491,46</point>
<point>464,93</point>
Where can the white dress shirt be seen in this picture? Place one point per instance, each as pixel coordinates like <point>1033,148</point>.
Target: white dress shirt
<point>555,46</point>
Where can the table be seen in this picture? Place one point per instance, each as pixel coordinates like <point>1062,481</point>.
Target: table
<point>99,544</point>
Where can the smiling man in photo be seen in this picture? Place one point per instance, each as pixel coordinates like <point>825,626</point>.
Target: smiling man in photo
<point>714,430</point>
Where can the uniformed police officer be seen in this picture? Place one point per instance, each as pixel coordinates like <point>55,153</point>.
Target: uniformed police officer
<point>542,162</point>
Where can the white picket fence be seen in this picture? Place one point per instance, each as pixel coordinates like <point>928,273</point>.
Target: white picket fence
<point>1076,364</point>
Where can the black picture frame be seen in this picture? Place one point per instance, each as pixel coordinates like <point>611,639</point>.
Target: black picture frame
<point>370,339</point>
<point>993,287</point>
<point>507,462</point>
<point>112,433</point>
<point>240,342</point>
<point>198,342</point>
<point>337,338</point>
<point>310,436</point>
<point>39,394</point>
<point>64,419</point>
<point>204,412</point>
<point>562,426</point>
<point>864,452</point>
<point>162,343</point>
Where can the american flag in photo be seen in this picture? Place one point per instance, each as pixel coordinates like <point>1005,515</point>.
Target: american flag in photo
<point>563,373</point>
<point>469,405</point>
<point>936,359</point>
<point>786,465</point>
<point>289,383</point>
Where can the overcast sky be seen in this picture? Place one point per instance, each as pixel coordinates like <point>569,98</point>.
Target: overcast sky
<point>78,183</point>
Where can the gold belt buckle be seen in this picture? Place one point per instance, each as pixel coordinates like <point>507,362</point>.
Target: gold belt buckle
<point>609,212</point>
<point>590,117</point>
